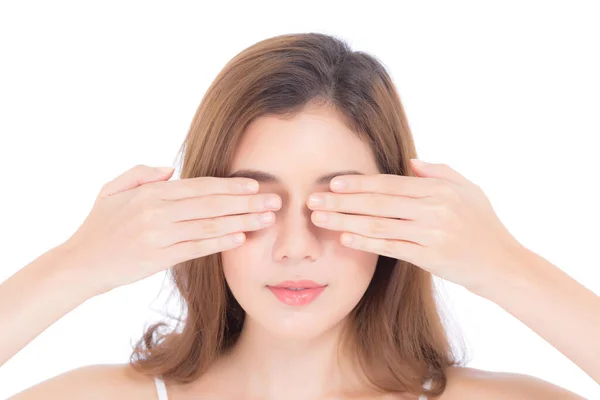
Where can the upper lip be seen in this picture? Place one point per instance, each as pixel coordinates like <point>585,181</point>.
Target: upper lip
<point>298,284</point>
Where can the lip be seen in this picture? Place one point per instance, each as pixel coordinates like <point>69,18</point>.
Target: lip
<point>298,284</point>
<point>297,297</point>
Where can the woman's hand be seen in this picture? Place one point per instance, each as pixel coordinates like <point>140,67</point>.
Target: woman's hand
<point>443,223</point>
<point>438,220</point>
<point>141,223</point>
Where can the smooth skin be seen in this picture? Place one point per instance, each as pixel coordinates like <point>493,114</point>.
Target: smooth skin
<point>43,278</point>
<point>172,221</point>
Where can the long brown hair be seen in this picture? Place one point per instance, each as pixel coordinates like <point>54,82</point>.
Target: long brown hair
<point>396,328</point>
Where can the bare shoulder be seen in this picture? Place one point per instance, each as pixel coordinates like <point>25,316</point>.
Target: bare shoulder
<point>102,381</point>
<point>474,383</point>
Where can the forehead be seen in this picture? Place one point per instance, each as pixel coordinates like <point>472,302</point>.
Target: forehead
<point>309,147</point>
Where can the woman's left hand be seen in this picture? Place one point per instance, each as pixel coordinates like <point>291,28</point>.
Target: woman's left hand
<point>437,220</point>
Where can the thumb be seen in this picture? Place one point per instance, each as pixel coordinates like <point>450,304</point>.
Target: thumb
<point>136,176</point>
<point>420,167</point>
<point>440,171</point>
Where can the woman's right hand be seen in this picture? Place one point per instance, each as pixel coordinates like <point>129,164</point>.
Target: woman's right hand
<point>141,224</point>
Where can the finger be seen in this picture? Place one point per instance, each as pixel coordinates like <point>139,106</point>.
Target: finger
<point>398,249</point>
<point>375,204</point>
<point>180,252</point>
<point>375,227</point>
<point>206,185</point>
<point>219,205</point>
<point>214,227</point>
<point>442,171</point>
<point>399,185</point>
<point>134,177</point>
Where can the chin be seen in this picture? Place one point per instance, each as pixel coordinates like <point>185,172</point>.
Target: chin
<point>294,331</point>
<point>296,324</point>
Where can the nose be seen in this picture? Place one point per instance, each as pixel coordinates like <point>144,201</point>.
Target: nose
<point>297,237</point>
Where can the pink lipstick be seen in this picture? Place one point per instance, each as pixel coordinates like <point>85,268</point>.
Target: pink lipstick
<point>297,293</point>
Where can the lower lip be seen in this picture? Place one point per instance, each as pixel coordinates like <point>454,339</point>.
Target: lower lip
<point>296,297</point>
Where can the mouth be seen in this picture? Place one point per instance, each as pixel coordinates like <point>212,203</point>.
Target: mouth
<point>296,296</point>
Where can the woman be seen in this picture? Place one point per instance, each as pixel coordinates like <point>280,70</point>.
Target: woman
<point>293,310</point>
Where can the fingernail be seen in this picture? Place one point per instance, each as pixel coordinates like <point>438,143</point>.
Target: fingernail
<point>339,184</point>
<point>315,200</point>
<point>266,217</point>
<point>251,186</point>
<point>321,216</point>
<point>273,202</point>
<point>346,238</point>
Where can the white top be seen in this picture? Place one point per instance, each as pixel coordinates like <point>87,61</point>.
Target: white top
<point>161,389</point>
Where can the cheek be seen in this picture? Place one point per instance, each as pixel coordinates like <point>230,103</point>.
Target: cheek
<point>351,277</point>
<point>352,272</point>
<point>240,273</point>
<point>360,264</point>
<point>359,272</point>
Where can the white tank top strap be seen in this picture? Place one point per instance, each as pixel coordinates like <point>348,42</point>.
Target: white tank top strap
<point>161,388</point>
<point>426,385</point>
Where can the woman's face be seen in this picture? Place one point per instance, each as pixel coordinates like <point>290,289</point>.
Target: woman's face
<point>299,151</point>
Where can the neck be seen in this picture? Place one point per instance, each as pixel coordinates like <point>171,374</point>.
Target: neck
<point>268,366</point>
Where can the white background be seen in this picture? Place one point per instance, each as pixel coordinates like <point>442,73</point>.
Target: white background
<point>507,93</point>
